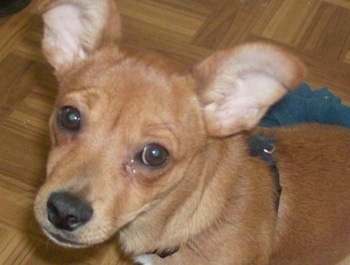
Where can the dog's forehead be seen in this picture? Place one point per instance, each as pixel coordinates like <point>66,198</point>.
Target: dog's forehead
<point>126,74</point>
<point>143,87</point>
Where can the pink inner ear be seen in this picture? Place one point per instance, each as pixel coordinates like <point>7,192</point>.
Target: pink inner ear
<point>75,29</point>
<point>244,100</point>
<point>63,31</point>
<point>240,84</point>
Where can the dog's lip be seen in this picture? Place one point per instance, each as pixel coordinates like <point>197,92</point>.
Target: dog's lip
<point>61,240</point>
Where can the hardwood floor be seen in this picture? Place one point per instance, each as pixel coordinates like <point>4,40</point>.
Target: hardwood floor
<point>186,30</point>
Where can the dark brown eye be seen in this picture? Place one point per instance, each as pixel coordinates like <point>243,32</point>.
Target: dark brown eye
<point>154,155</point>
<point>69,119</point>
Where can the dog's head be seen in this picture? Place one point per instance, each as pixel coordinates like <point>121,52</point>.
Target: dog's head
<point>129,128</point>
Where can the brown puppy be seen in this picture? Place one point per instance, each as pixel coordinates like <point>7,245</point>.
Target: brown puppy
<point>168,159</point>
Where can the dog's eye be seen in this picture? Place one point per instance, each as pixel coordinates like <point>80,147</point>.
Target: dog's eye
<point>154,155</point>
<point>69,118</point>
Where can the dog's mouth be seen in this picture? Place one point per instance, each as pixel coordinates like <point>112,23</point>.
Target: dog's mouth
<point>64,241</point>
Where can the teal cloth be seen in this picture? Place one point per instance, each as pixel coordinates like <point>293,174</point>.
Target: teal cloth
<point>304,105</point>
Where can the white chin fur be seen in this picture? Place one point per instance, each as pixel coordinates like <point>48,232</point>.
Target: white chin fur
<point>63,244</point>
<point>144,259</point>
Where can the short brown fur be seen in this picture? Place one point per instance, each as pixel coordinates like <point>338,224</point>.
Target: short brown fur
<point>211,199</point>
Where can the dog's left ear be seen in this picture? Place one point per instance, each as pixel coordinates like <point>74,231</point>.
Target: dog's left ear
<point>73,29</point>
<point>237,86</point>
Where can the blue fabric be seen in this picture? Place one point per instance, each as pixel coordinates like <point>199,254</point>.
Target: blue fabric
<point>304,105</point>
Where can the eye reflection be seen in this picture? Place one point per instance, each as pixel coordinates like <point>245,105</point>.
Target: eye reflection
<point>69,118</point>
<point>154,155</point>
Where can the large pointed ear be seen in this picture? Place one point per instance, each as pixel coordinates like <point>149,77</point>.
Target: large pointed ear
<point>73,29</point>
<point>237,86</point>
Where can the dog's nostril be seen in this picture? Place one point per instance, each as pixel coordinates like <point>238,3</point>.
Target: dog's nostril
<point>68,212</point>
<point>71,223</point>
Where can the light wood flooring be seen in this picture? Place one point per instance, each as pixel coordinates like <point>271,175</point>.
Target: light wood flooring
<point>186,30</point>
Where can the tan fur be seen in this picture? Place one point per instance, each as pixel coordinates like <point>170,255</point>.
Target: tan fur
<point>212,198</point>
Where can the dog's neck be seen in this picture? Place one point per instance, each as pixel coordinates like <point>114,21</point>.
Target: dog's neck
<point>263,147</point>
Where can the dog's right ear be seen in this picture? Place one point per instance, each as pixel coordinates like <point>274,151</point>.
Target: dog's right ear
<point>73,29</point>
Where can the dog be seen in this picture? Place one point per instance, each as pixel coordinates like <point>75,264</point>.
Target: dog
<point>170,160</point>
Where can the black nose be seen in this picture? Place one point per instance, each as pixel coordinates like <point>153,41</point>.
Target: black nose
<point>68,212</point>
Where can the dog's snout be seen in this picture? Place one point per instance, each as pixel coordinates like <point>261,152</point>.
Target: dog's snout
<point>68,212</point>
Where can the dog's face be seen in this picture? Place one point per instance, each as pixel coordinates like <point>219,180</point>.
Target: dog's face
<point>130,127</point>
<point>117,131</point>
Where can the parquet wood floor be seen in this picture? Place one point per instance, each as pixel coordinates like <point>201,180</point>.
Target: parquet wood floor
<point>186,30</point>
